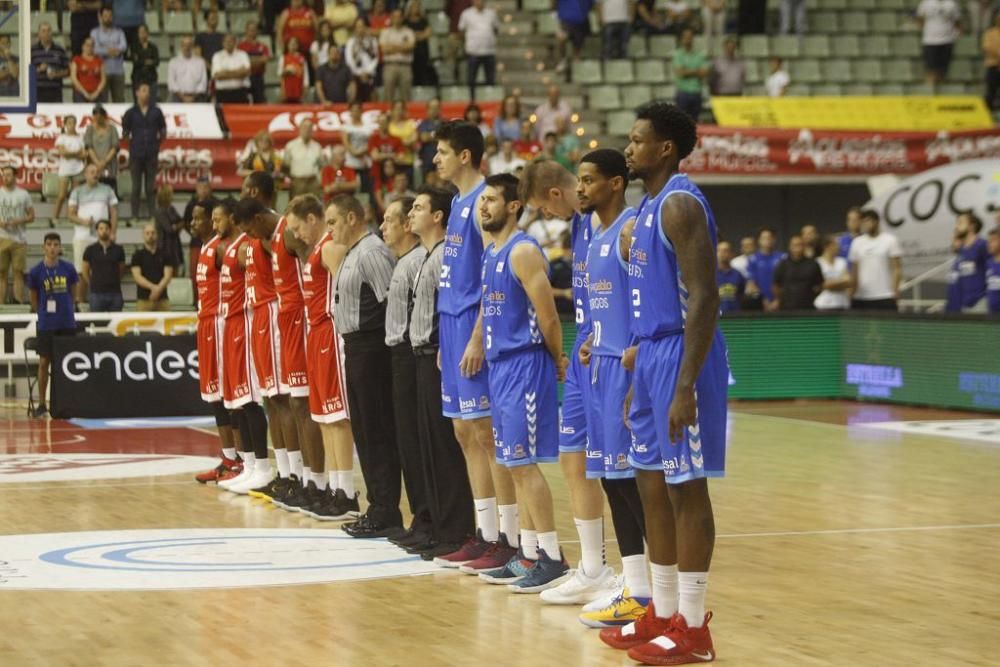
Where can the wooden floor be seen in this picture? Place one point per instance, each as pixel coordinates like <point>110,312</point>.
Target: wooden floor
<point>838,545</point>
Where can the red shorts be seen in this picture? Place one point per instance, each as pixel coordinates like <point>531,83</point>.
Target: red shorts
<point>266,347</point>
<point>292,328</point>
<point>327,391</point>
<point>239,383</point>
<point>208,337</point>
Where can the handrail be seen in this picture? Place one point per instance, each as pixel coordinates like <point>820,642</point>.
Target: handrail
<point>929,273</point>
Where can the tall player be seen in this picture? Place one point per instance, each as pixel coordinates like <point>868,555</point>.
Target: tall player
<point>465,394</point>
<point>678,410</point>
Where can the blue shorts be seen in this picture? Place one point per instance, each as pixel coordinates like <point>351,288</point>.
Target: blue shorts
<point>525,408</point>
<point>702,451</point>
<point>461,397</point>
<point>609,438</point>
<point>573,416</point>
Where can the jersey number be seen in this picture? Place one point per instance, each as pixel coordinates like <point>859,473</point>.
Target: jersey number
<point>597,333</point>
<point>579,311</point>
<point>489,337</point>
<point>635,302</point>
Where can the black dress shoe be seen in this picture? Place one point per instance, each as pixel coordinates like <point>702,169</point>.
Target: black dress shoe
<point>420,548</point>
<point>411,539</point>
<point>441,549</point>
<point>367,528</point>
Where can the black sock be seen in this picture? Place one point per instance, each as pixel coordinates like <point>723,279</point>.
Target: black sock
<point>240,421</point>
<point>257,425</point>
<point>626,514</point>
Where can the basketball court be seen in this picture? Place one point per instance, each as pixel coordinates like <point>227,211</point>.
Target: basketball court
<point>849,534</point>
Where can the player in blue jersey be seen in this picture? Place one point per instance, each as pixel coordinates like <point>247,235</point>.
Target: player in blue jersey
<point>465,391</point>
<point>967,278</point>
<point>993,273</point>
<point>679,387</point>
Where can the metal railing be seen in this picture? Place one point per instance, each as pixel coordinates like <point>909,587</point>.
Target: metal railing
<point>918,303</point>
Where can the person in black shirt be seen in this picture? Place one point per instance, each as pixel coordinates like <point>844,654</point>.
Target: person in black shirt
<point>145,128</point>
<point>103,267</point>
<point>152,272</point>
<point>145,57</point>
<point>797,279</point>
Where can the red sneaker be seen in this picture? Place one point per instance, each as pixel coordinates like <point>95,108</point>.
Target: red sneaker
<point>493,558</point>
<point>680,645</point>
<point>216,473</point>
<point>231,473</point>
<point>646,628</point>
<point>473,548</point>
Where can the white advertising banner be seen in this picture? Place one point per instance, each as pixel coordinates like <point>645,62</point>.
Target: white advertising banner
<point>184,121</point>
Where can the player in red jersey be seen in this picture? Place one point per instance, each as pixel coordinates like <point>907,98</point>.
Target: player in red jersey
<point>209,339</point>
<point>324,350</point>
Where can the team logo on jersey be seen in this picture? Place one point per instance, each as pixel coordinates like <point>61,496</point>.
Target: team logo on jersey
<point>605,250</point>
<point>465,212</point>
<point>649,220</point>
<point>518,452</point>
<point>622,462</point>
<point>484,402</point>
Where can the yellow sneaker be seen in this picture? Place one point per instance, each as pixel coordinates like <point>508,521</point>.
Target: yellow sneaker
<point>623,610</point>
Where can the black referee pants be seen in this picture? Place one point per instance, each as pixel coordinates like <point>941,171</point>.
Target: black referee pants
<point>404,406</point>
<point>449,495</point>
<point>368,366</point>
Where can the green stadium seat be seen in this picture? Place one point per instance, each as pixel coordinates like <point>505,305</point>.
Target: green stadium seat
<point>797,90</point>
<point>238,21</point>
<point>489,93</point>
<point>635,94</point>
<point>905,46</point>
<point>856,22</point>
<point>127,65</point>
<point>845,46</point>
<point>755,46</point>
<point>619,123</point>
<point>967,46</point>
<point>919,88</point>
<point>896,4</point>
<point>271,77</point>
<point>661,46</point>
<point>38,18</point>
<point>816,46</point>
<point>424,93</point>
<point>50,186</point>
<point>875,46</point>
<point>652,71</point>
<point>785,46</point>
<point>12,26</point>
<point>828,90</point>
<point>162,74</point>
<point>826,4</point>
<point>124,185</point>
<point>545,24</point>
<point>899,71</point>
<point>180,292</point>
<point>619,71</point>
<point>824,22</point>
<point>454,93</point>
<point>604,98</point>
<point>838,71</point>
<point>891,89</point>
<point>955,89</point>
<point>178,23</point>
<point>587,71</point>
<point>433,6</point>
<point>886,23</point>
<point>964,69</point>
<point>860,89</point>
<point>152,20</point>
<point>754,71</point>
<point>637,47</point>
<point>537,6</point>
<point>862,4</point>
<point>806,71</point>
<point>868,71</point>
<point>439,23</point>
<point>163,44</point>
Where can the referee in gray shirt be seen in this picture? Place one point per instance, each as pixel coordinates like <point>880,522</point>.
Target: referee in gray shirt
<point>409,254</point>
<point>361,290</point>
<point>449,495</point>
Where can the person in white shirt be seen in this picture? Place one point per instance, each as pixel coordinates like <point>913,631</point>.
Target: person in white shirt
<point>940,24</point>
<point>304,160</point>
<point>72,155</point>
<point>187,76</point>
<point>231,73</point>
<point>479,25</point>
<point>397,42</point>
<point>748,246</point>
<point>793,10</point>
<point>362,57</point>
<point>616,26</point>
<point>778,80</point>
<point>876,267</point>
<point>836,277</point>
<point>506,160</point>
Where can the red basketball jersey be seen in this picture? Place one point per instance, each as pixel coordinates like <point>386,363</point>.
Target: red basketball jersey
<point>232,281</point>
<point>300,24</point>
<point>207,279</point>
<point>317,285</point>
<point>286,270</point>
<point>260,279</point>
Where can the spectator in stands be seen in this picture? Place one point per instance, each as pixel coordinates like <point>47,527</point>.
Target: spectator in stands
<point>561,276</point>
<point>342,15</point>
<point>319,50</point>
<point>798,280</point>
<point>506,161</point>
<point>993,273</point>
<point>730,281</point>
<point>231,73</point>
<point>294,73</point>
<point>383,180</point>
<point>16,211</point>
<point>110,46</point>
<point>333,79</point>
<point>145,57</point>
<point>397,42</point>
<point>748,246</point>
<point>574,27</point>
<point>89,204</point>
<point>300,22</point>
<point>262,156</point>
<point>72,159</point>
<point>690,71</point>
<point>400,188</point>
<point>169,224</point>
<point>52,283</point>
<point>549,145</point>
<point>129,15</point>
<point>86,73</point>
<point>507,124</point>
<point>479,25</point>
<point>853,225</point>
<point>547,113</point>
<point>208,42</point>
<point>102,143</point>
<point>83,18</point>
<point>810,238</point>
<point>9,69</point>
<point>680,16</point>
<point>568,145</point>
<point>527,145</point>
<point>777,80</point>
<point>426,130</point>
<point>404,129</point>
<point>547,231</point>
<point>259,54</point>
<point>103,268</point>
<point>991,63</point>
<point>362,56</point>
<point>876,266</point>
<point>729,72</point>
<point>793,10</point>
<point>145,128</point>
<point>378,17</point>
<point>152,271</point>
<point>967,278</point>
<point>382,146</point>
<point>940,22</point>
<point>650,20</point>
<point>713,20</point>
<point>51,65</point>
<point>356,136</point>
<point>616,27</point>
<point>836,277</point>
<point>187,74</point>
<point>761,269</point>
<point>303,160</point>
<point>424,72</point>
<point>338,178</point>
<point>473,114</point>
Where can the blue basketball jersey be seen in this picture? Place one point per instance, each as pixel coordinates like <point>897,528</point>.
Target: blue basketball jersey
<point>656,288</point>
<point>581,229</point>
<point>607,281</point>
<point>458,289</point>
<point>509,320</point>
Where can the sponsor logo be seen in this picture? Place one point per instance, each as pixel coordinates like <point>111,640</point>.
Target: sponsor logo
<point>602,286</point>
<point>874,380</point>
<point>567,430</point>
<point>138,365</point>
<point>484,402</point>
<point>499,267</point>
<point>518,452</point>
<point>467,406</point>
<point>621,463</point>
<point>594,454</point>
<point>605,250</point>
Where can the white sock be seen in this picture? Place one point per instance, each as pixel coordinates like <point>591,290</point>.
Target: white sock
<point>229,453</point>
<point>281,460</point>
<point>319,479</point>
<point>508,520</point>
<point>262,467</point>
<point>692,597</point>
<point>295,463</point>
<point>591,533</point>
<point>636,575</point>
<point>248,460</point>
<point>486,518</point>
<point>332,475</point>
<point>664,589</point>
<point>345,481</point>
<point>549,543</point>
<point>306,475</point>
<point>514,540</point>
<point>529,544</point>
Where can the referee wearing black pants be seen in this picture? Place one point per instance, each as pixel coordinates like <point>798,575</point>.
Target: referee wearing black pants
<point>361,290</point>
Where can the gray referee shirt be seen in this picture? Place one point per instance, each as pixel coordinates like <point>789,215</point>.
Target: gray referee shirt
<point>424,318</point>
<point>362,286</point>
<point>397,312</point>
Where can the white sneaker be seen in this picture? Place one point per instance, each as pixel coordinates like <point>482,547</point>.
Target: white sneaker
<point>239,479</point>
<point>579,588</point>
<point>260,476</point>
<point>604,599</point>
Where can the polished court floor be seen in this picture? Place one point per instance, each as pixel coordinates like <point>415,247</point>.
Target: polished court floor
<point>839,544</point>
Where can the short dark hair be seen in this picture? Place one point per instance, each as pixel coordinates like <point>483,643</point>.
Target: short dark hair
<point>463,136</point>
<point>508,185</point>
<point>609,163</point>
<point>854,209</point>
<point>228,206</point>
<point>405,203</point>
<point>440,201</point>
<point>346,203</point>
<point>870,214</point>
<point>550,134</point>
<point>52,236</point>
<point>264,183</point>
<point>766,229</point>
<point>247,209</point>
<point>305,205</point>
<point>102,222</point>
<point>672,124</point>
<point>977,223</point>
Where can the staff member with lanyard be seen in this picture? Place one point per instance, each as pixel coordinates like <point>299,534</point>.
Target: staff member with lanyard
<point>361,291</point>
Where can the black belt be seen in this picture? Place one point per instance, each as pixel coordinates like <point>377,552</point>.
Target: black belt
<point>425,350</point>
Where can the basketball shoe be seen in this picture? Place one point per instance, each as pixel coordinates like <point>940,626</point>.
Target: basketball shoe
<point>296,497</point>
<point>516,569</point>
<point>615,590</point>
<point>473,548</point>
<point>239,479</point>
<point>216,473</point>
<point>579,589</point>
<point>642,630</point>
<point>680,645</point>
<point>230,475</point>
<point>336,506</point>
<point>547,573</point>
<point>494,558</point>
<point>622,610</point>
<point>260,477</point>
<point>273,488</point>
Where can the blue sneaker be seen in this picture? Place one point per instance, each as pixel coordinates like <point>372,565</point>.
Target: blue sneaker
<point>516,569</point>
<point>546,574</point>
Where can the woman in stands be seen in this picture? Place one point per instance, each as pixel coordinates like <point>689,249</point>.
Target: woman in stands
<point>508,124</point>
<point>294,73</point>
<point>362,56</point>
<point>424,73</point>
<point>261,156</point>
<point>319,50</point>
<point>86,73</point>
<point>72,159</point>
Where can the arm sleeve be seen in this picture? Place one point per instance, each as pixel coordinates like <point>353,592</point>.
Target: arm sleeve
<point>73,277</point>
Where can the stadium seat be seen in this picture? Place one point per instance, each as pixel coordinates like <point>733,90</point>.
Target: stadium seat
<point>754,71</point>
<point>162,71</point>
<point>755,46</point>
<point>875,46</point>
<point>816,46</point>
<point>604,97</point>
<point>50,186</point>
<point>636,94</point>
<point>433,6</point>
<point>826,4</point>
<point>964,69</point>
<point>652,71</point>
<point>860,89</point>
<point>824,22</point>
<point>798,90</point>
<point>153,22</point>
<point>439,23</point>
<point>838,71</point>
<point>905,46</point>
<point>619,123</point>
<point>238,21</point>
<point>489,93</point>
<point>868,71</point>
<point>828,90</point>
<point>178,23</point>
<point>546,24</point>
<point>899,71</point>
<point>11,28</point>
<point>855,22</point>
<point>619,71</point>
<point>180,292</point>
<point>587,71</point>
<point>886,23</point>
<point>163,45</point>
<point>891,89</point>
<point>862,4</point>
<point>845,46</point>
<point>38,18</point>
<point>785,46</point>
<point>661,46</point>
<point>953,89</point>
<point>424,93</point>
<point>967,46</point>
<point>919,88</point>
<point>806,71</point>
<point>637,47</point>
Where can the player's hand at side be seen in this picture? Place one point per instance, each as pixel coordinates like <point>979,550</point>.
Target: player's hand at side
<point>472,359</point>
<point>628,358</point>
<point>585,350</point>
<point>561,365</point>
<point>627,407</point>
<point>683,412</point>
